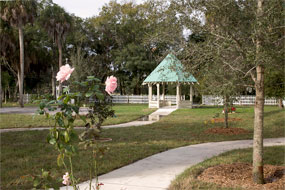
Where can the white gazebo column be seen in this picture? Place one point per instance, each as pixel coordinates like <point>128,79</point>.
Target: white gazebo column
<point>149,94</point>
<point>158,95</point>
<point>178,95</point>
<point>191,95</point>
<point>163,91</point>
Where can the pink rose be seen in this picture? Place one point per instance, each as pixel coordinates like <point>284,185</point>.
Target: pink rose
<point>111,84</point>
<point>64,73</point>
<point>66,180</point>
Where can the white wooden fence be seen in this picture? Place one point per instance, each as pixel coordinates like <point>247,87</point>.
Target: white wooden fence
<point>240,100</point>
<point>124,99</point>
<point>206,99</point>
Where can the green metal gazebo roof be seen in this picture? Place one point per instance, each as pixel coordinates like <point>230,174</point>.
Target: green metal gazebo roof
<point>169,70</point>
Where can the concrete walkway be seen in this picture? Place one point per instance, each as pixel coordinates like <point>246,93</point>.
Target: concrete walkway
<point>156,172</point>
<point>151,118</point>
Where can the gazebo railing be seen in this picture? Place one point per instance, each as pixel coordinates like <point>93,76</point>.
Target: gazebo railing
<point>141,99</point>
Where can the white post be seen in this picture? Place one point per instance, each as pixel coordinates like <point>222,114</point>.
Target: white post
<point>163,91</point>
<point>178,95</point>
<point>191,95</point>
<point>158,98</point>
<point>149,94</point>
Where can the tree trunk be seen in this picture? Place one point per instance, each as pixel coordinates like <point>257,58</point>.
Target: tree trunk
<point>5,96</point>
<point>280,103</point>
<point>15,98</point>
<point>121,89</point>
<point>258,127</point>
<point>257,171</point>
<point>9,93</point>
<point>21,78</point>
<point>59,64</point>
<point>53,81</point>
<point>226,112</point>
<point>0,87</point>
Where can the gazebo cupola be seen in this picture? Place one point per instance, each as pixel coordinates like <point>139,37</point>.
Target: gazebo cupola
<point>169,71</point>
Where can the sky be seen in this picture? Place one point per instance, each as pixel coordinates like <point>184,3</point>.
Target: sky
<point>86,8</point>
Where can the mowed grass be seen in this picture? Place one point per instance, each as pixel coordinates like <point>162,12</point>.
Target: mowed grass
<point>123,113</point>
<point>188,179</point>
<point>30,152</point>
<point>16,104</point>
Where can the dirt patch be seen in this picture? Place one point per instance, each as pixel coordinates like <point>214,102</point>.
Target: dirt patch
<point>240,175</point>
<point>226,131</point>
<point>222,120</point>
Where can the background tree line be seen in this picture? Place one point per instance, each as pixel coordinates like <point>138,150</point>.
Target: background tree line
<point>129,40</point>
<point>123,40</point>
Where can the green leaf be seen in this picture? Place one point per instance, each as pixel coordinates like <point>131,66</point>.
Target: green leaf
<point>36,183</point>
<point>68,149</point>
<point>99,95</point>
<point>78,94</point>
<point>90,77</point>
<point>66,137</point>
<point>51,102</point>
<point>45,174</point>
<point>73,136</point>
<point>52,141</point>
<point>66,89</point>
<point>60,122</point>
<point>88,94</point>
<point>56,134</point>
<point>83,118</point>
<point>59,159</point>
<point>96,88</point>
<point>66,100</point>
<point>75,109</point>
<point>42,105</point>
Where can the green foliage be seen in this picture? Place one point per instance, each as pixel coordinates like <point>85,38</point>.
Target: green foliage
<point>275,83</point>
<point>56,22</point>
<point>18,13</point>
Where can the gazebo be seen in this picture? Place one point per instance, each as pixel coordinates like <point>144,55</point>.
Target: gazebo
<point>169,71</point>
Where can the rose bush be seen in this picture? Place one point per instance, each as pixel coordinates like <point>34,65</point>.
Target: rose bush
<point>63,136</point>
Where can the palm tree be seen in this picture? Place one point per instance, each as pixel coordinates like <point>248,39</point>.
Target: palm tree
<point>18,13</point>
<point>57,23</point>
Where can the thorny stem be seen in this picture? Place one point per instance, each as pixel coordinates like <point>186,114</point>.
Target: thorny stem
<point>90,172</point>
<point>71,171</point>
<point>66,169</point>
<point>95,166</point>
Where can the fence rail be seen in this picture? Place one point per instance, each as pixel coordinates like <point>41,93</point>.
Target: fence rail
<point>240,100</point>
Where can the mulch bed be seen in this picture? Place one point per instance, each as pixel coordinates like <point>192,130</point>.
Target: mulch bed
<point>226,131</point>
<point>240,175</point>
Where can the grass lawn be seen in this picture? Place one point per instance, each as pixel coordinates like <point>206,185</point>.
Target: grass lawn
<point>30,151</point>
<point>16,104</point>
<point>124,113</point>
<point>188,179</point>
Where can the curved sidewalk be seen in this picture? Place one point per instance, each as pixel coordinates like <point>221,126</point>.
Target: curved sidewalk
<point>156,172</point>
<point>153,117</point>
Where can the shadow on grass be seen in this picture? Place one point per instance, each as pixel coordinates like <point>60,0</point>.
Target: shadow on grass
<point>270,113</point>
